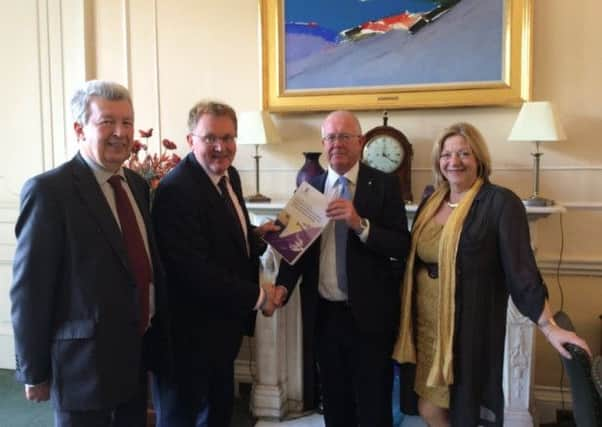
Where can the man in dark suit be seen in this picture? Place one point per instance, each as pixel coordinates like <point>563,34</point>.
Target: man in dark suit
<point>351,280</point>
<point>87,288</point>
<point>211,257</point>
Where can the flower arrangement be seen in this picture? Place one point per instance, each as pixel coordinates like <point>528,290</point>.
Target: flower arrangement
<point>152,167</point>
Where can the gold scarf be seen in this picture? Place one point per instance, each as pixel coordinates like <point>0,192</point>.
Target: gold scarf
<point>441,372</point>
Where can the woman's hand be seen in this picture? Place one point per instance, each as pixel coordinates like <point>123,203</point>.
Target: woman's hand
<point>558,337</point>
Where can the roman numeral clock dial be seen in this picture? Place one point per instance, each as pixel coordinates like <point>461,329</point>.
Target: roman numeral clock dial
<point>387,149</point>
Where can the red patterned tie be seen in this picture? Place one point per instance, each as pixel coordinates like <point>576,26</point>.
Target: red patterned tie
<point>134,245</point>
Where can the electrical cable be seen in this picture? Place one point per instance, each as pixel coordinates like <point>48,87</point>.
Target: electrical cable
<point>561,293</point>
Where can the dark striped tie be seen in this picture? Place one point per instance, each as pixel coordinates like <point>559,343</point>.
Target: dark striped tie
<point>223,186</point>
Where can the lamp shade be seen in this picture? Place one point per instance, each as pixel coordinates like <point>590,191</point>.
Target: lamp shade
<point>256,128</point>
<point>537,121</point>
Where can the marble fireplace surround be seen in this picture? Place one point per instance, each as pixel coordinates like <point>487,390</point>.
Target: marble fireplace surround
<point>277,347</point>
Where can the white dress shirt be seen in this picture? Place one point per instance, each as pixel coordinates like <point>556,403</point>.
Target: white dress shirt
<point>327,282</point>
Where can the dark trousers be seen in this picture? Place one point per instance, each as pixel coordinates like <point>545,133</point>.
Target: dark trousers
<point>355,370</point>
<point>173,408</point>
<point>131,413</point>
<point>205,401</point>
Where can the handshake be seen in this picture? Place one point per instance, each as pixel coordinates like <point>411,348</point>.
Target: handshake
<point>275,295</point>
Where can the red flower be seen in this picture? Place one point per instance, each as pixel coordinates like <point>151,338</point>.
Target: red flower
<point>155,166</point>
<point>146,133</point>
<point>137,146</point>
<point>170,145</point>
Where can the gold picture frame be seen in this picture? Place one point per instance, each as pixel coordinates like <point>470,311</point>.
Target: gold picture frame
<point>512,89</point>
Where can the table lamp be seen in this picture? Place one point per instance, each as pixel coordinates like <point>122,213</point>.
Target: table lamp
<point>537,122</point>
<point>256,128</point>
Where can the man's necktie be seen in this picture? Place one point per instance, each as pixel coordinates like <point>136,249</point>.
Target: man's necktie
<point>340,232</point>
<point>135,249</point>
<point>223,186</point>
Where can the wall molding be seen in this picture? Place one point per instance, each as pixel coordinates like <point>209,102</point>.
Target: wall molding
<point>571,267</point>
<point>550,168</point>
<point>45,111</point>
<point>57,24</point>
<point>552,394</point>
<point>127,41</point>
<point>9,211</point>
<point>582,206</point>
<point>51,74</point>
<point>546,400</point>
<point>7,344</point>
<point>6,329</point>
<point>548,265</point>
<point>525,169</point>
<point>157,72</point>
<point>244,371</point>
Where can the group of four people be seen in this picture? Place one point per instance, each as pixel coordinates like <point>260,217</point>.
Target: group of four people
<point>104,292</point>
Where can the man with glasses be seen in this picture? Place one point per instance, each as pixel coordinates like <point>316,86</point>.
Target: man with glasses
<point>211,257</point>
<point>350,281</point>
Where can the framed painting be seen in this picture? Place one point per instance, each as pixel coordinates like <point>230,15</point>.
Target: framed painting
<point>391,54</point>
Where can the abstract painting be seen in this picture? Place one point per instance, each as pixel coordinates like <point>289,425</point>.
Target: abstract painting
<point>367,54</point>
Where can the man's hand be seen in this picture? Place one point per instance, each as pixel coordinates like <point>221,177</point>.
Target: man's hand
<point>266,227</point>
<point>274,298</point>
<point>37,393</point>
<point>280,293</point>
<point>268,307</point>
<point>342,209</point>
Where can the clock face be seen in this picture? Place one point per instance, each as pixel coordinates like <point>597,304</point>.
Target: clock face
<point>384,153</point>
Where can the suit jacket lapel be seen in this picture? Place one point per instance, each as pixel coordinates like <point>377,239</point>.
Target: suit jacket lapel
<point>320,181</point>
<point>217,206</point>
<point>363,189</point>
<point>86,185</point>
<point>138,193</point>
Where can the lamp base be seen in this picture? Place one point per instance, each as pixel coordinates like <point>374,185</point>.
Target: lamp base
<point>258,198</point>
<point>536,201</point>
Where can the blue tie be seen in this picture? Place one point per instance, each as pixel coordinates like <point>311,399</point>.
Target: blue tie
<point>340,232</point>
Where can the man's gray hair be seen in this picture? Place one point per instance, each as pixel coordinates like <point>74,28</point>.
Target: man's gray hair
<point>80,103</point>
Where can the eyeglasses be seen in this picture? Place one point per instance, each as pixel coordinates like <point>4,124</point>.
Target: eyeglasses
<point>211,139</point>
<point>345,138</point>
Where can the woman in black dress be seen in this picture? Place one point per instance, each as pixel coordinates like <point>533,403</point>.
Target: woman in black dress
<point>470,251</point>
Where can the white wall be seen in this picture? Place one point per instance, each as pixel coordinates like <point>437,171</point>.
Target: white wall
<point>42,44</point>
<point>172,53</point>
